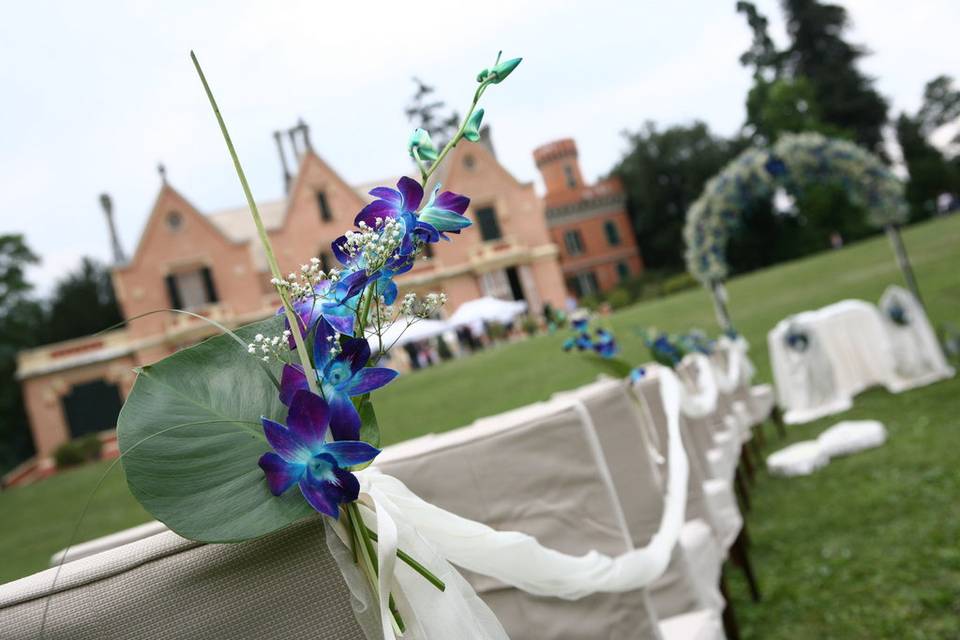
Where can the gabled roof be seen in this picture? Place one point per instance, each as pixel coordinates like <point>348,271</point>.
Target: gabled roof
<point>237,223</point>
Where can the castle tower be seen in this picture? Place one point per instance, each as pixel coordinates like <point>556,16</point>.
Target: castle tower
<point>558,164</point>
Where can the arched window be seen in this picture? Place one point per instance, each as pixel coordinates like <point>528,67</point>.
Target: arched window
<point>612,232</point>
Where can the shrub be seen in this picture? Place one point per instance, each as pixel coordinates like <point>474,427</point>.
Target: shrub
<point>619,298</point>
<point>91,446</point>
<point>78,451</point>
<point>679,282</point>
<point>530,325</point>
<point>68,454</point>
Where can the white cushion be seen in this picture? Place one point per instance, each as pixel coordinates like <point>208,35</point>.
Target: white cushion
<point>698,625</point>
<point>852,436</point>
<point>800,459</point>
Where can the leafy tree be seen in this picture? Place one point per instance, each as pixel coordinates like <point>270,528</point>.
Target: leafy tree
<point>814,84</point>
<point>663,173</point>
<point>20,319</point>
<point>845,97</point>
<point>931,174</point>
<point>783,105</point>
<point>426,112</point>
<point>941,104</point>
<point>82,303</point>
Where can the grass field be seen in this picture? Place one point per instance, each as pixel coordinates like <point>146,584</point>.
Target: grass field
<point>867,548</point>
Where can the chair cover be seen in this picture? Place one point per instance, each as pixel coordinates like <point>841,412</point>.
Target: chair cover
<point>918,359</point>
<point>710,498</point>
<point>284,586</point>
<point>693,576</point>
<point>806,383</point>
<point>540,472</point>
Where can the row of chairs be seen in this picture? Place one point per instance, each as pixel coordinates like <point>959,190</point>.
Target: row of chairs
<point>581,472</point>
<point>597,484</point>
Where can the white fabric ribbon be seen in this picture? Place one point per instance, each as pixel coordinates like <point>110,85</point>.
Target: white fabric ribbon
<point>514,558</point>
<point>699,399</point>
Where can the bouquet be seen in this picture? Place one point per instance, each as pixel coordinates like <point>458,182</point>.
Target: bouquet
<point>252,430</point>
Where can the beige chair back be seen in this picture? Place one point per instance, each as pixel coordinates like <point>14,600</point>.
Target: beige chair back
<point>537,470</point>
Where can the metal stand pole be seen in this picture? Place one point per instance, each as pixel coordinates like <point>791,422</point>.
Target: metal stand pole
<point>903,260</point>
<point>719,294</point>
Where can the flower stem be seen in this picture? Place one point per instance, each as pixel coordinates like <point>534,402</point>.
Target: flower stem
<point>262,232</point>
<point>371,558</point>
<point>416,566</point>
<point>456,138</point>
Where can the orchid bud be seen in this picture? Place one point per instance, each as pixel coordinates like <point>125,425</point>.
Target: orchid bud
<point>472,131</point>
<point>422,145</point>
<point>503,69</point>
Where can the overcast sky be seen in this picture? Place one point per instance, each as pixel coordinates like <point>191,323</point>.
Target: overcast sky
<point>94,94</point>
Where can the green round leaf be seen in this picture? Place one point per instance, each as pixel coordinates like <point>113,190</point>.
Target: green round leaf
<point>190,436</point>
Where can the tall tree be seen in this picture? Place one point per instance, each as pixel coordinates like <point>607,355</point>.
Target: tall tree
<point>82,303</point>
<point>931,174</point>
<point>663,173</point>
<point>21,326</point>
<point>431,114</point>
<point>818,52</point>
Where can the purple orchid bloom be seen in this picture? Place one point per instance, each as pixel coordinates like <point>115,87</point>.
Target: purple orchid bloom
<point>401,204</point>
<point>605,344</point>
<point>342,374</point>
<point>334,301</point>
<point>302,456</point>
<point>443,213</point>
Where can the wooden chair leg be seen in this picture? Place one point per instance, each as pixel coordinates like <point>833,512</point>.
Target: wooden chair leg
<point>745,458</point>
<point>743,494</point>
<point>760,436</point>
<point>777,416</point>
<point>741,556</point>
<point>730,626</point>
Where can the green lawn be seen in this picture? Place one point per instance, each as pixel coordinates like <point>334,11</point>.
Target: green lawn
<point>866,548</point>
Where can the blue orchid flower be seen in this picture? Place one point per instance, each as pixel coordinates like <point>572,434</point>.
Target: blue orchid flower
<point>663,350</point>
<point>334,301</point>
<point>443,213</point>
<point>302,456</point>
<point>637,374</point>
<point>605,344</point>
<point>342,374</point>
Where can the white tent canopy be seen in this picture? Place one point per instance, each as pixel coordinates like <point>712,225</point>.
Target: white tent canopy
<point>400,333</point>
<point>487,309</point>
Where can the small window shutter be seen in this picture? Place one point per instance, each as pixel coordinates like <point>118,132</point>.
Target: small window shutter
<point>173,293</point>
<point>208,285</point>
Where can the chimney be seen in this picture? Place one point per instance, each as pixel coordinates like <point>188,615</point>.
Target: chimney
<point>283,162</point>
<point>486,139</point>
<point>557,162</point>
<point>107,204</point>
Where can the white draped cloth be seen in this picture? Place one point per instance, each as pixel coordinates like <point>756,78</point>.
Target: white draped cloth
<point>852,346</point>
<point>436,537</point>
<point>918,359</point>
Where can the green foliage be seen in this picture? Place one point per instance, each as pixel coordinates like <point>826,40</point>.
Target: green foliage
<point>190,436</point>
<point>814,84</point>
<point>530,325</point>
<point>90,446</point>
<point>818,52</point>
<point>785,106</point>
<point>619,297</point>
<point>82,303</point>
<point>678,282</point>
<point>68,454</point>
<point>931,174</point>
<point>74,452</point>
<point>663,172</point>
<point>21,322</point>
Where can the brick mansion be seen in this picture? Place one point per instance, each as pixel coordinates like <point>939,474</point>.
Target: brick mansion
<point>573,241</point>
